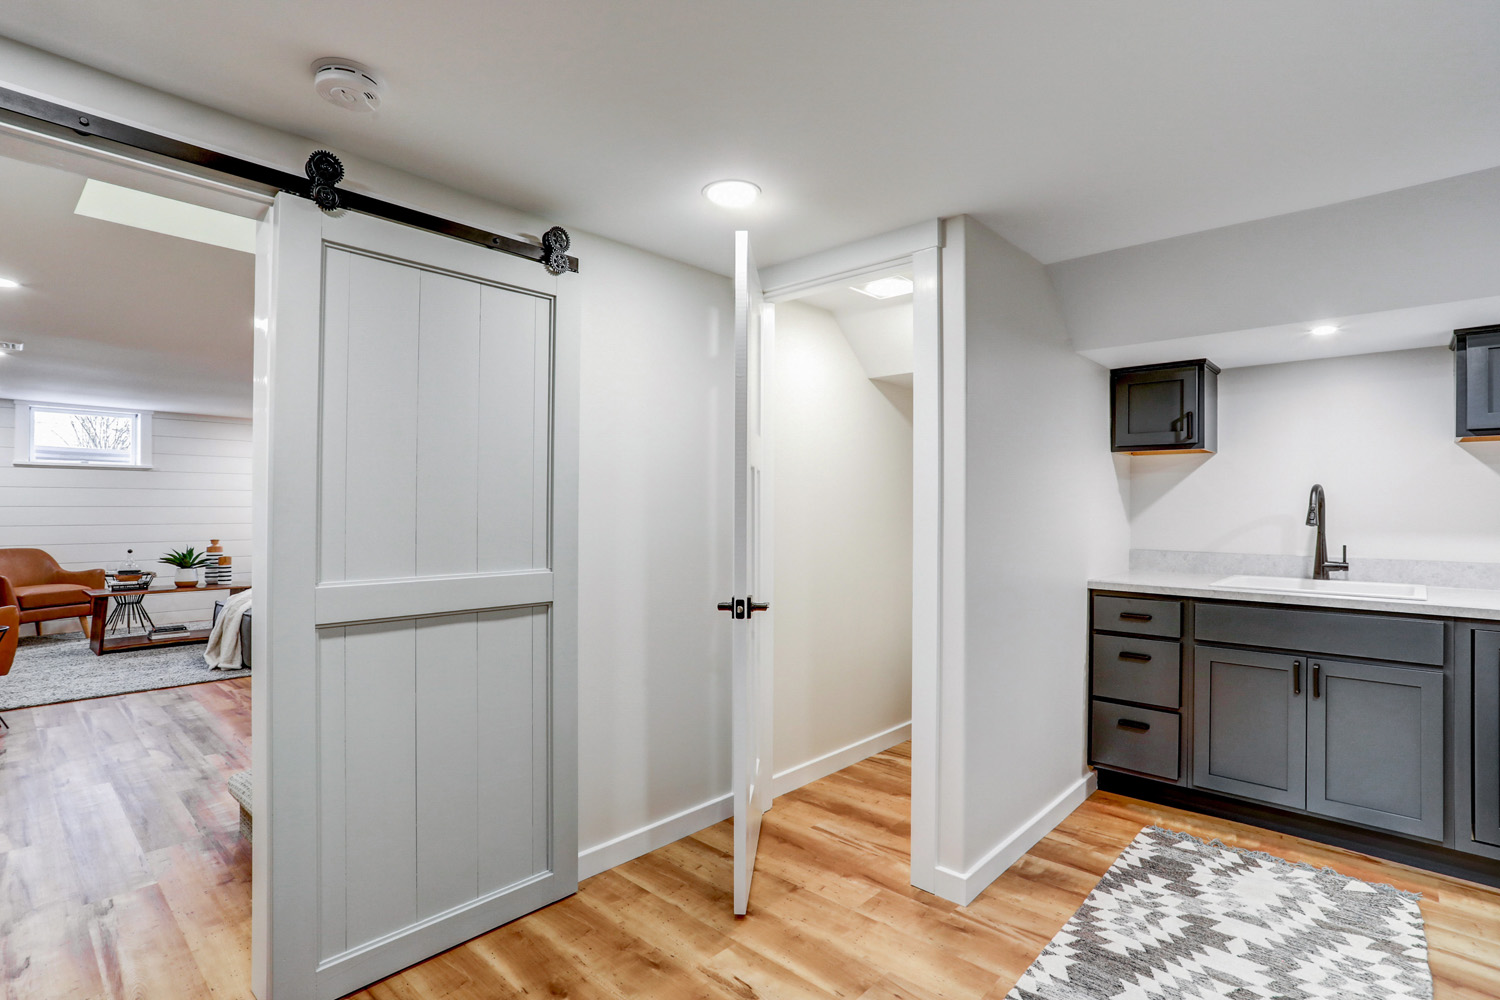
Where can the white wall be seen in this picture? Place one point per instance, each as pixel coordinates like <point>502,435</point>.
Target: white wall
<point>198,488</point>
<point>656,476</point>
<point>882,340</point>
<point>1044,509</point>
<point>842,452</point>
<point>1433,243</point>
<point>654,505</point>
<point>1376,430</point>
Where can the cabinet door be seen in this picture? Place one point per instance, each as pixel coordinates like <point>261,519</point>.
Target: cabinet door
<point>1375,746</point>
<point>1157,409</point>
<point>1482,374</point>
<point>1250,724</point>
<point>1487,737</point>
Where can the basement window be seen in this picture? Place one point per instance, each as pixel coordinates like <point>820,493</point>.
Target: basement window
<point>93,436</point>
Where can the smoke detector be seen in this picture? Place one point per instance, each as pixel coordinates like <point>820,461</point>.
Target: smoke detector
<point>347,84</point>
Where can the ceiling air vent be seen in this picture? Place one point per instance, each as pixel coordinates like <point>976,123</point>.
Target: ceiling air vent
<point>347,84</point>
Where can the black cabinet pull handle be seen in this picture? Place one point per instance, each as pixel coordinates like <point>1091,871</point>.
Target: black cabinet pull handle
<point>1134,616</point>
<point>1296,677</point>
<point>1187,425</point>
<point>1317,676</point>
<point>1132,726</point>
<point>1136,657</point>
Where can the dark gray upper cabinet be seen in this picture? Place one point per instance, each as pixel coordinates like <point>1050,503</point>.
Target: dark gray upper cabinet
<point>1487,737</point>
<point>1165,408</point>
<point>1477,366</point>
<point>1375,745</point>
<point>1250,725</point>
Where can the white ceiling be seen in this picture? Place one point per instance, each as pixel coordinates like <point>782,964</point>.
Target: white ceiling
<point>1070,126</point>
<point>117,316</point>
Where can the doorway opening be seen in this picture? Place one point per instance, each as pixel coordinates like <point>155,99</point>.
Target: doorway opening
<point>864,509</point>
<point>841,440</point>
<point>125,436</point>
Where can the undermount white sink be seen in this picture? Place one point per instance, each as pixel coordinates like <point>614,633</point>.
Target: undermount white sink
<point>1332,588</point>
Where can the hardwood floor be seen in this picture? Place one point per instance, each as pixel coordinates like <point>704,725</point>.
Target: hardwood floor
<point>121,875</point>
<point>121,869</point>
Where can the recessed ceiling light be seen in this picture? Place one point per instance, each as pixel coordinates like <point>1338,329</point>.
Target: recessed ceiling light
<point>1324,330</point>
<point>886,288</point>
<point>7,283</point>
<point>732,194</point>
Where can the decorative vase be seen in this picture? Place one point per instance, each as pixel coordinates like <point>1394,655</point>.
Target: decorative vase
<point>186,577</point>
<point>211,568</point>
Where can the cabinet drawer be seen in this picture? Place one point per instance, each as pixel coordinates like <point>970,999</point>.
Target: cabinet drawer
<point>1127,668</point>
<point>1136,739</point>
<point>1373,637</point>
<point>1138,615</point>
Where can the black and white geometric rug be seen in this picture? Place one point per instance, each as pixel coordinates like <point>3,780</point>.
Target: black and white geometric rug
<point>53,668</point>
<point>1179,919</point>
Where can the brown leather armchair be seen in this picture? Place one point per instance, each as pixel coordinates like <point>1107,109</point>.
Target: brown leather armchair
<point>32,580</point>
<point>10,632</point>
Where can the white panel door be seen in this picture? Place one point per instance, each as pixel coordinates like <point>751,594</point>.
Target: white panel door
<point>415,747</point>
<point>751,647</point>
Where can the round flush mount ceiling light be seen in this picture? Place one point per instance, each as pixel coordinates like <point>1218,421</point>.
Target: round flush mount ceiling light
<point>347,84</point>
<point>1324,330</point>
<point>8,283</point>
<point>732,193</point>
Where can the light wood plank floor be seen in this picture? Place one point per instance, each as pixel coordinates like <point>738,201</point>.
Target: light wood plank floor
<point>121,876</point>
<point>122,873</point>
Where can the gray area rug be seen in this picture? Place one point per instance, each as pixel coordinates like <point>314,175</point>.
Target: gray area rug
<point>1175,917</point>
<point>54,668</point>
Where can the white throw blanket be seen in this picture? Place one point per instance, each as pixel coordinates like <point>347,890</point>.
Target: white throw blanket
<point>223,650</point>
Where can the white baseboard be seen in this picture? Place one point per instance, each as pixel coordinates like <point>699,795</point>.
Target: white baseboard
<point>964,887</point>
<point>628,846</point>
<point>821,767</point>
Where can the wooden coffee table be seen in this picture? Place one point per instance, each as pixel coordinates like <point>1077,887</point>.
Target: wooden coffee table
<point>101,643</point>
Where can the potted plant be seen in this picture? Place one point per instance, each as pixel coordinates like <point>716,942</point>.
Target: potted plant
<point>187,562</point>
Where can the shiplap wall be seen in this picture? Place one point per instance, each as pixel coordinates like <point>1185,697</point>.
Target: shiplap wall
<point>197,489</point>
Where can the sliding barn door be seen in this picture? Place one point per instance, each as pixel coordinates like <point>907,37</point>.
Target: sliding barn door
<point>414,676</point>
<point>751,646</point>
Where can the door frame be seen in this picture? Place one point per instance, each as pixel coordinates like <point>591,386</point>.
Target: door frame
<point>920,246</point>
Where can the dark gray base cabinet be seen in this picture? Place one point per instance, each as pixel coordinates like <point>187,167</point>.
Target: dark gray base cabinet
<point>1359,742</point>
<point>1375,746</point>
<point>1486,737</point>
<point>1249,725</point>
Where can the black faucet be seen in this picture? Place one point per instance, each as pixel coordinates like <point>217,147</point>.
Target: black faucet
<point>1317,516</point>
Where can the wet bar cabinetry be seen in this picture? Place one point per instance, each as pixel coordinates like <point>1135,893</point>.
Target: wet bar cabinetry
<point>1376,731</point>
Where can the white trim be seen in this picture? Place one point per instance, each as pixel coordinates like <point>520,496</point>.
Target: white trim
<point>950,770</point>
<point>82,465</point>
<point>852,260</point>
<point>644,840</point>
<point>805,773</point>
<point>927,560</point>
<point>937,773</point>
<point>964,887</point>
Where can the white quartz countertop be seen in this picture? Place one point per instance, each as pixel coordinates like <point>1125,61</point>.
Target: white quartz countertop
<point>1442,602</point>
